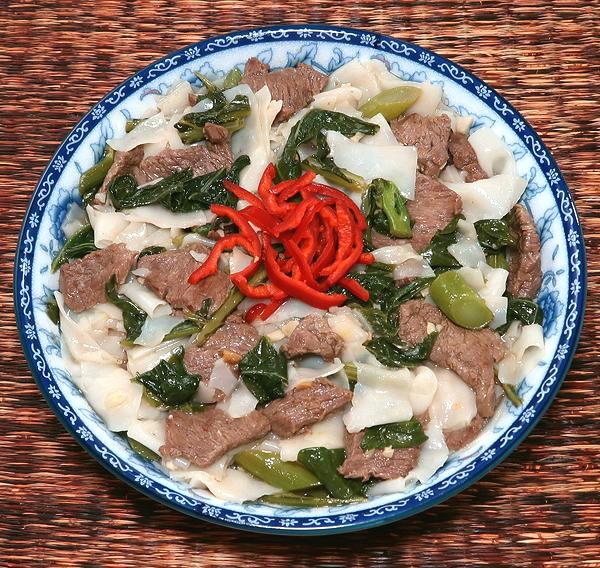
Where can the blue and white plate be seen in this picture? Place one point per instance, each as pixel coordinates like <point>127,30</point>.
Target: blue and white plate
<point>547,197</point>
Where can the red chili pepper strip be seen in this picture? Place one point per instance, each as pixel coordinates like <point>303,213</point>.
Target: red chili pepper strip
<point>302,263</point>
<point>355,288</point>
<point>296,288</point>
<point>344,267</point>
<point>306,178</point>
<point>262,291</point>
<point>366,258</point>
<point>259,217</point>
<point>328,253</point>
<point>345,235</point>
<point>239,220</point>
<point>210,265</point>
<point>294,218</point>
<point>340,196</point>
<point>253,312</point>
<point>242,193</point>
<point>266,180</point>
<point>272,308</point>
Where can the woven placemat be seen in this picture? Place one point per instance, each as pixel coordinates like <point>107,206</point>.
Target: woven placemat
<point>59,507</point>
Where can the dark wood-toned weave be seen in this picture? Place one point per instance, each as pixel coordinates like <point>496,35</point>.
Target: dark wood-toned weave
<point>59,507</point>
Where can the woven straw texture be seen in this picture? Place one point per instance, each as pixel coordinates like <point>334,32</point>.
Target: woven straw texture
<point>58,507</point>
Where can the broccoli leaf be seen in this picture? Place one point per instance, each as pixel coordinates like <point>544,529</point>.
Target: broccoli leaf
<point>407,434</point>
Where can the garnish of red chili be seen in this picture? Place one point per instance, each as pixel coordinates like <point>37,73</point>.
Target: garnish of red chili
<point>309,239</point>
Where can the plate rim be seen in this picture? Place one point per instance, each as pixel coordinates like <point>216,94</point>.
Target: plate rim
<point>454,72</point>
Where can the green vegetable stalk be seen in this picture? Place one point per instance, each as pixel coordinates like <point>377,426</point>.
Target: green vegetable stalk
<point>77,245</point>
<point>169,381</point>
<point>133,316</point>
<point>52,311</point>
<point>232,79</point>
<point>385,209</point>
<point>407,434</point>
<point>324,463</point>
<point>459,302</point>
<point>142,450</point>
<point>313,498</point>
<point>393,352</point>
<point>264,371</point>
<point>308,128</point>
<point>149,251</point>
<point>351,374</point>
<point>270,468</point>
<point>192,324</point>
<point>511,393</point>
<point>391,103</point>
<point>91,180</point>
<point>523,310</point>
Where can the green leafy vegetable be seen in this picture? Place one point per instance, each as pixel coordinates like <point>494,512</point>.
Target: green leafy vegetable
<point>91,180</point>
<point>77,245</point>
<point>523,310</point>
<point>324,463</point>
<point>132,123</point>
<point>264,371</point>
<point>148,251</point>
<point>497,260</point>
<point>496,234</point>
<point>308,128</point>
<point>407,434</point>
<point>169,381</point>
<point>193,322</point>
<point>393,352</point>
<point>385,209</point>
<point>511,394</point>
<point>234,298</point>
<point>351,374</point>
<point>179,192</point>
<point>436,254</point>
<point>133,316</point>
<point>142,450</point>
<point>269,467</point>
<point>232,79</point>
<point>52,311</point>
<point>229,114</point>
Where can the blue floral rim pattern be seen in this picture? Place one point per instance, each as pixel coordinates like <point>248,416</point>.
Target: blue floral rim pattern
<point>327,523</point>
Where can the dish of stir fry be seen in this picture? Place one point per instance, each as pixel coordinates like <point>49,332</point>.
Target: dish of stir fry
<point>297,288</point>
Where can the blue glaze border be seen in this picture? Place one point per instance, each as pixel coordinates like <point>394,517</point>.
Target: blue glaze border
<point>325,524</point>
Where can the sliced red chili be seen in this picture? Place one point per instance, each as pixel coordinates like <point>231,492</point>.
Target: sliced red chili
<point>239,220</point>
<point>296,288</point>
<point>355,288</point>
<point>262,291</point>
<point>294,218</point>
<point>341,196</point>
<point>269,310</point>
<point>242,193</point>
<point>211,264</point>
<point>302,263</point>
<point>253,312</point>
<point>366,258</point>
<point>259,217</point>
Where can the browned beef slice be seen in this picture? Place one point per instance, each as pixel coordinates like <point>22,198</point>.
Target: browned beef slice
<point>430,135</point>
<point>294,86</point>
<point>82,281</point>
<point>123,163</point>
<point>433,207</point>
<point>313,335</point>
<point>464,157</point>
<point>204,437</point>
<point>215,133</point>
<point>168,277</point>
<point>524,264</point>
<point>235,337</point>
<point>374,463</point>
<point>456,439</point>
<point>200,158</point>
<point>470,354</point>
<point>378,240</point>
<point>304,405</point>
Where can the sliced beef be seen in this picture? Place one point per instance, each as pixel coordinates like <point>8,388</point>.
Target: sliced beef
<point>304,405</point>
<point>464,157</point>
<point>430,135</point>
<point>470,354</point>
<point>204,437</point>
<point>200,158</point>
<point>457,439</point>
<point>313,335</point>
<point>168,277</point>
<point>82,281</point>
<point>232,342</point>
<point>215,133</point>
<point>433,207</point>
<point>381,464</point>
<point>294,86</point>
<point>378,240</point>
<point>123,163</point>
<point>524,264</point>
